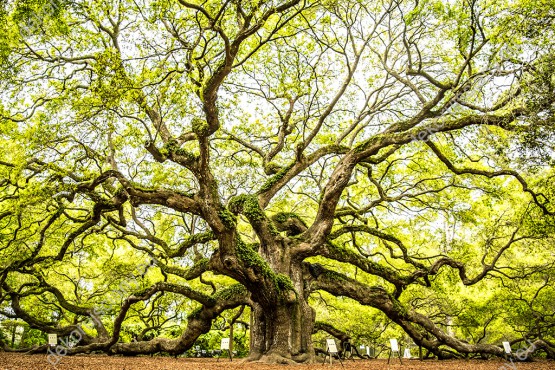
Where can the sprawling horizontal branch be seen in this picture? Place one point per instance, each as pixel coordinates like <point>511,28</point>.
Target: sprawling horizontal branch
<point>333,251</point>
<point>490,174</point>
<point>461,267</point>
<point>332,330</point>
<point>383,236</point>
<point>199,322</point>
<point>417,325</point>
<point>341,175</point>
<point>48,327</point>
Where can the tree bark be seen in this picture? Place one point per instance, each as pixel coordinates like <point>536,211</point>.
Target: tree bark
<point>281,329</point>
<point>283,334</point>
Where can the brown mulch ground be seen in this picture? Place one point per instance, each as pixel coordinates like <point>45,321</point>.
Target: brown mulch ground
<point>11,361</point>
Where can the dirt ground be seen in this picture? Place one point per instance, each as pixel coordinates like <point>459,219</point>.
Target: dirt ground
<point>10,361</point>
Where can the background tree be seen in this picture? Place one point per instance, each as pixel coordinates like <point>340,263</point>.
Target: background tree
<point>162,158</point>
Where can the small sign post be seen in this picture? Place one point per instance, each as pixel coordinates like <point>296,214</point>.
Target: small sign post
<point>52,340</point>
<point>394,348</point>
<point>224,346</point>
<point>508,350</point>
<point>54,356</point>
<point>331,349</point>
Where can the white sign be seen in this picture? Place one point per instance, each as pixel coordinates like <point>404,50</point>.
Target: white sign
<point>507,347</point>
<point>394,345</point>
<point>225,343</point>
<point>407,353</point>
<point>368,351</point>
<point>52,339</point>
<point>332,348</point>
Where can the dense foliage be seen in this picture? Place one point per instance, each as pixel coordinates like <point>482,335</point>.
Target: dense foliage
<point>364,169</point>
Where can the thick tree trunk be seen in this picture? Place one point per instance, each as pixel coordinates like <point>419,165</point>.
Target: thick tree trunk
<point>282,334</point>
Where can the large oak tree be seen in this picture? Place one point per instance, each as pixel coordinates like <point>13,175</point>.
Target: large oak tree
<point>259,152</point>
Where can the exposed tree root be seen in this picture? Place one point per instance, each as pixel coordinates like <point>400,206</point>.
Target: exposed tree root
<point>279,359</point>
<point>274,358</point>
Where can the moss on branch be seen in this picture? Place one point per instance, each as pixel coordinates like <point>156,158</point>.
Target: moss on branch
<point>251,259</point>
<point>290,222</point>
<point>248,205</point>
<point>228,219</point>
<point>274,179</point>
<point>200,127</point>
<point>230,292</point>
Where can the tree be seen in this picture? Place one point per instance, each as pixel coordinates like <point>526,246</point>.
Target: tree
<point>255,153</point>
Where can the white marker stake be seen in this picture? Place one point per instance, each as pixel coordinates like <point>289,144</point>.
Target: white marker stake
<point>507,347</point>
<point>52,340</point>
<point>394,345</point>
<point>394,349</point>
<point>332,347</point>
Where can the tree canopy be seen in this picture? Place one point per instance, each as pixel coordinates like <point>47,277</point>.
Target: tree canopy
<point>284,164</point>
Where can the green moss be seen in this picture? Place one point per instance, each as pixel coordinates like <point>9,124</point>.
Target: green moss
<point>274,179</point>
<point>345,255</point>
<point>247,205</point>
<point>284,216</point>
<point>252,209</point>
<point>140,187</point>
<point>379,268</point>
<point>332,275</point>
<point>228,218</point>
<point>272,168</point>
<point>248,255</point>
<point>236,203</point>
<point>120,191</point>
<point>290,222</point>
<point>230,292</point>
<point>201,264</point>
<point>253,246</point>
<point>283,283</point>
<point>171,146</point>
<point>339,251</point>
<point>251,258</point>
<point>398,307</point>
<point>200,127</point>
<point>273,229</point>
<point>184,153</point>
<point>185,194</point>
